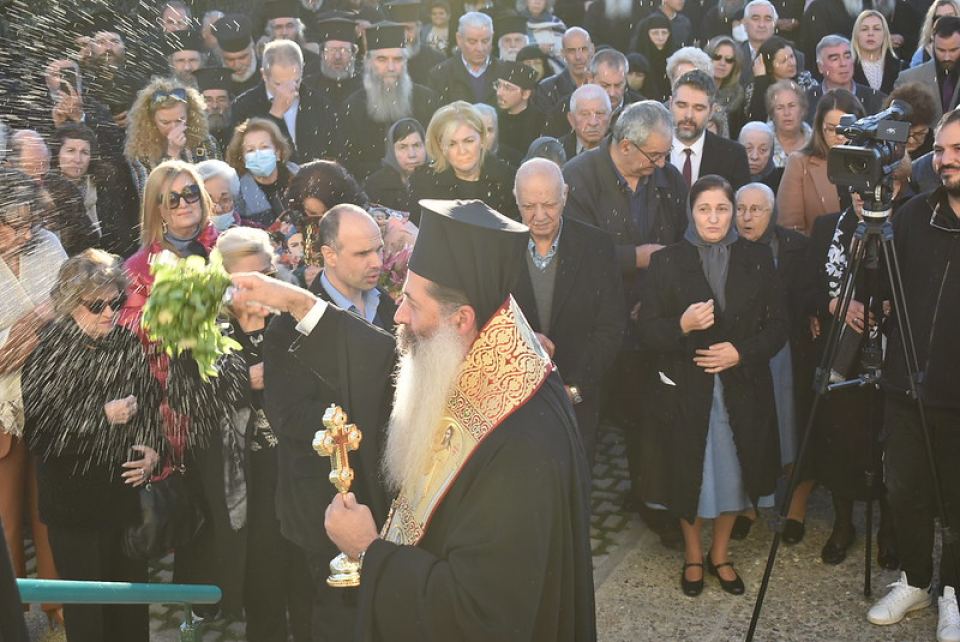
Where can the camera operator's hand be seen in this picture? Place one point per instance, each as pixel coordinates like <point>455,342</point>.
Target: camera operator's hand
<point>854,315</point>
<point>699,316</point>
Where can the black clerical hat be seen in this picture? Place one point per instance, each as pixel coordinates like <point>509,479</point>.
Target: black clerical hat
<point>403,10</point>
<point>213,78</point>
<point>517,73</point>
<point>467,246</point>
<point>280,9</point>
<point>186,40</point>
<point>385,35</point>
<point>343,29</point>
<point>509,23</point>
<point>233,32</point>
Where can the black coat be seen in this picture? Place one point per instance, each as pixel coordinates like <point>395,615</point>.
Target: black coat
<point>386,187</point>
<point>553,93</point>
<point>871,99</point>
<point>316,121</point>
<point>421,65</point>
<point>891,69</point>
<point>451,81</point>
<point>617,34</point>
<point>66,381</point>
<point>519,130</point>
<point>823,18</point>
<point>495,187</point>
<point>587,316</point>
<point>335,91</point>
<point>344,361</point>
<point>361,138</point>
<point>755,322</point>
<point>726,158</point>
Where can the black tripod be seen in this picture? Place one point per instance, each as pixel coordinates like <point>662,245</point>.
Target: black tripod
<point>872,241</point>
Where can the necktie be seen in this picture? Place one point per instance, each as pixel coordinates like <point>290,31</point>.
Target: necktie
<point>948,86</point>
<point>687,167</point>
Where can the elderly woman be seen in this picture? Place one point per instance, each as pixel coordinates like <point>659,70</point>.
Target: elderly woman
<point>260,154</point>
<point>223,185</point>
<point>260,572</point>
<point>874,62</point>
<point>937,9</point>
<point>791,368</point>
<point>713,315</point>
<point>758,139</point>
<point>726,68</point>
<point>390,185</point>
<point>92,411</point>
<point>654,39</point>
<point>168,121</point>
<point>461,168</point>
<point>30,257</point>
<point>806,191</point>
<point>786,103</point>
<point>777,61</point>
<point>107,194</point>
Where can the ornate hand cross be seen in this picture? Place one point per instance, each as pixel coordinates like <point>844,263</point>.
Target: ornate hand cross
<point>336,442</point>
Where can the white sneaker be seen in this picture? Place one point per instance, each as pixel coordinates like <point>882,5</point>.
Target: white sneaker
<point>948,624</point>
<point>901,599</point>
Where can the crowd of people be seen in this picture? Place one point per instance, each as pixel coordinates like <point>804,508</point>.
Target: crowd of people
<point>682,258</point>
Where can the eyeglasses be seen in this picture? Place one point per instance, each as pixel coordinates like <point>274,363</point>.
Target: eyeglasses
<point>338,51</point>
<point>190,194</point>
<point>656,158</point>
<point>727,59</point>
<point>918,136</point>
<point>178,94</point>
<point>99,305</point>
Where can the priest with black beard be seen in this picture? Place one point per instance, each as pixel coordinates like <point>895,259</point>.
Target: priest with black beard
<point>388,95</point>
<point>488,535</point>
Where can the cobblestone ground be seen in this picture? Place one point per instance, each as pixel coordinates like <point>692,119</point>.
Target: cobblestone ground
<point>638,597</point>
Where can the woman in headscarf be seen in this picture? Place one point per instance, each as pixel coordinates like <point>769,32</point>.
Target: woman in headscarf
<point>406,151</point>
<point>653,38</point>
<point>713,313</point>
<point>792,367</point>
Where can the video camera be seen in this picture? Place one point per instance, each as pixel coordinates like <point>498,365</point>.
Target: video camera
<point>875,149</point>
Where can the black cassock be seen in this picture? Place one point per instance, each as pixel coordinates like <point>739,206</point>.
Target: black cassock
<point>506,556</point>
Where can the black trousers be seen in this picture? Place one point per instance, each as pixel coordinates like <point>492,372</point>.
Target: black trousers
<point>95,554</point>
<point>910,490</point>
<point>334,609</point>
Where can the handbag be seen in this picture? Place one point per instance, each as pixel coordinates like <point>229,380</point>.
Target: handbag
<point>170,517</point>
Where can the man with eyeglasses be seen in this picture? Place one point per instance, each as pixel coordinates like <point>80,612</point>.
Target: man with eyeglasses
<point>553,93</point>
<point>628,188</point>
<point>338,79</point>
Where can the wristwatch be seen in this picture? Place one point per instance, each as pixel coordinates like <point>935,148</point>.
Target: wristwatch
<point>575,395</point>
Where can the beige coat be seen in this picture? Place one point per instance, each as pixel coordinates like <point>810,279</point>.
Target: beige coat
<point>805,193</point>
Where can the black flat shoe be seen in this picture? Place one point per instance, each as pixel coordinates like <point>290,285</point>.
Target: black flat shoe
<point>734,586</point>
<point>691,588</point>
<point>741,527</point>
<point>835,550</point>
<point>793,532</point>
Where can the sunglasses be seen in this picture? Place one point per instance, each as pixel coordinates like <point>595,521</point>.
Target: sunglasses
<point>179,94</point>
<point>727,59</point>
<point>100,305</point>
<point>190,195</point>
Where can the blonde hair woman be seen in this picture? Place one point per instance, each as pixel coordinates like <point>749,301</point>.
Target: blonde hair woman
<point>459,167</point>
<point>874,61</point>
<point>936,10</point>
<point>168,121</point>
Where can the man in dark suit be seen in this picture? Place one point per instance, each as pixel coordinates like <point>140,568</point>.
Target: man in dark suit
<point>589,118</point>
<point>570,292</point>
<point>835,62</point>
<point>351,246</point>
<point>303,115</point>
<point>553,93</point>
<point>697,152</point>
<point>471,75</point>
<point>939,74</point>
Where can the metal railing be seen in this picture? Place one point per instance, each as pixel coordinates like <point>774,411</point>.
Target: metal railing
<point>72,592</point>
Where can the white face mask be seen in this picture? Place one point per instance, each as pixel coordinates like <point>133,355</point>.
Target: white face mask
<point>739,33</point>
<point>222,221</point>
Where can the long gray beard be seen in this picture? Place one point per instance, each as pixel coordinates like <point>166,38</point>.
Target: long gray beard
<point>219,122</point>
<point>425,378</point>
<point>617,9</point>
<point>388,105</point>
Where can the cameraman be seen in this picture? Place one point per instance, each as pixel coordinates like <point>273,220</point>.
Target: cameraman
<point>927,239</point>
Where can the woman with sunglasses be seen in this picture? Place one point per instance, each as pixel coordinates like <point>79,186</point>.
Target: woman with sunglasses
<point>776,61</point>
<point>726,72</point>
<point>874,61</point>
<point>168,121</point>
<point>30,257</point>
<point>92,412</point>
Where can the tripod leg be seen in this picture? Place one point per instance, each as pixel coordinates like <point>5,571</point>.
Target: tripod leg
<point>868,548</point>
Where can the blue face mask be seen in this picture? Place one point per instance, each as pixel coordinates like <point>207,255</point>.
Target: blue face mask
<point>260,163</point>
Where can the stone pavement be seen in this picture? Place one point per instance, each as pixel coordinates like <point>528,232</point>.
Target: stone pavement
<point>637,582</point>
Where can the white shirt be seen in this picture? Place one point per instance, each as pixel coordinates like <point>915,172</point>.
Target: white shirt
<point>290,117</point>
<point>475,74</point>
<point>312,318</point>
<point>678,157</point>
